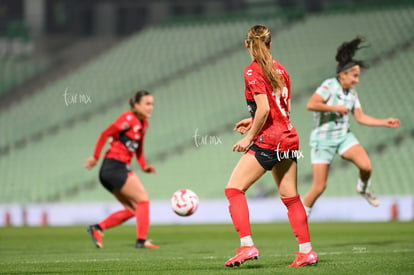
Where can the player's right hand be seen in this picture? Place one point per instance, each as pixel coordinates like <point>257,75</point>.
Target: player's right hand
<point>342,110</point>
<point>149,169</point>
<point>90,162</point>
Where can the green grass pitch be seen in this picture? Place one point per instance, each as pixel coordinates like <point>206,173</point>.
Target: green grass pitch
<point>343,248</point>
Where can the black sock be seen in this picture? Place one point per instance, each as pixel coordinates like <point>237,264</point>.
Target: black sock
<point>98,227</point>
<point>141,241</point>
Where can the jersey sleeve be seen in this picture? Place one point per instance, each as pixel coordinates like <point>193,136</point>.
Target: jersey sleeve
<point>100,143</point>
<point>123,121</point>
<point>323,91</point>
<point>140,153</point>
<point>120,124</point>
<point>357,104</point>
<point>255,83</point>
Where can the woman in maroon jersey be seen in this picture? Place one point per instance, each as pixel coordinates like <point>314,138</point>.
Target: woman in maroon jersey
<point>127,134</point>
<point>271,144</point>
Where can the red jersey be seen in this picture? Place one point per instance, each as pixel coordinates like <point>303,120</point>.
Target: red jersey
<point>277,132</point>
<point>127,134</point>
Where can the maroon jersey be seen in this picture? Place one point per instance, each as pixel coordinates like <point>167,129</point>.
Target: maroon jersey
<point>277,133</point>
<point>127,134</point>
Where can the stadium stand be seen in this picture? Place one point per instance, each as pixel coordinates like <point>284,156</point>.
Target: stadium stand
<point>313,41</point>
<point>49,138</point>
<point>116,75</point>
<point>34,129</point>
<point>17,64</point>
<point>16,70</point>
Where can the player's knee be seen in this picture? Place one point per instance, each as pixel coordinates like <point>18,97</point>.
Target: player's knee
<point>230,192</point>
<point>144,198</point>
<point>138,198</point>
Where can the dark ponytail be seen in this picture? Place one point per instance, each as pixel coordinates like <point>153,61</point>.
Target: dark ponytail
<point>345,54</point>
<point>136,98</point>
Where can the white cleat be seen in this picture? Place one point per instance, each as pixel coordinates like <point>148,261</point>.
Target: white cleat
<point>369,196</point>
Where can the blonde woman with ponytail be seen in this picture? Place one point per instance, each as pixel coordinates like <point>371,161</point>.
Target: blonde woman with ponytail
<point>270,144</point>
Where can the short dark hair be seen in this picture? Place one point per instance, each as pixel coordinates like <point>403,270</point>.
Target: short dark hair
<point>136,98</point>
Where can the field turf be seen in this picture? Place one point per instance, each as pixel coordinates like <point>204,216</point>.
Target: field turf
<point>343,248</point>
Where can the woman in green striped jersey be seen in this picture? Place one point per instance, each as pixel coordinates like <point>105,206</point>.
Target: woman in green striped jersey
<point>331,103</point>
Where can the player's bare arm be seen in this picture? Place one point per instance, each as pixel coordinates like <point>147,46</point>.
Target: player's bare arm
<point>261,114</point>
<point>367,120</point>
<point>317,104</point>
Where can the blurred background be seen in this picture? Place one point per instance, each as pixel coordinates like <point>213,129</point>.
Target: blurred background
<point>68,68</point>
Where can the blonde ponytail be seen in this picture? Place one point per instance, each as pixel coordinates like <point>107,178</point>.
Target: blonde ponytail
<point>258,39</point>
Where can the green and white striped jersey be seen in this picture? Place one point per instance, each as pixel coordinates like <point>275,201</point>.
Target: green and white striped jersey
<point>329,126</point>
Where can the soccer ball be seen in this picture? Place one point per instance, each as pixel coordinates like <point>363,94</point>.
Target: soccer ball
<point>184,202</point>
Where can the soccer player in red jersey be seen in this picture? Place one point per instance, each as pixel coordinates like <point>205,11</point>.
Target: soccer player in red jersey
<point>127,133</point>
<point>271,144</point>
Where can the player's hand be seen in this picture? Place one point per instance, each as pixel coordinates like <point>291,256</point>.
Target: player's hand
<point>392,122</point>
<point>90,162</point>
<point>242,145</point>
<point>342,110</point>
<point>243,125</point>
<point>149,169</point>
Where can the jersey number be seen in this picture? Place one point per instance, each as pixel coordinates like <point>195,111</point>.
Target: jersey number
<point>282,96</point>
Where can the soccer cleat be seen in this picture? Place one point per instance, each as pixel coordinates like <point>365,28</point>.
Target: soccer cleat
<point>369,196</point>
<point>304,259</point>
<point>243,254</point>
<point>96,235</point>
<point>146,244</point>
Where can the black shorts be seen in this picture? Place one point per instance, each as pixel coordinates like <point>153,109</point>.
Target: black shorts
<point>113,174</point>
<point>269,158</point>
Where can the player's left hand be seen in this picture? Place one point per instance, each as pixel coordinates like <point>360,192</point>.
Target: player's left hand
<point>149,169</point>
<point>242,145</point>
<point>392,122</point>
<point>243,125</point>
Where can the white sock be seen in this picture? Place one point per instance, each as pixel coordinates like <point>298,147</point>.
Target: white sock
<point>246,241</point>
<point>305,247</point>
<point>362,186</point>
<point>307,210</point>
